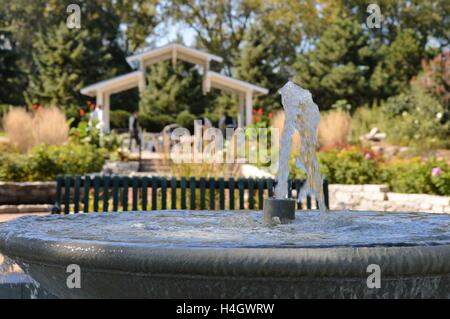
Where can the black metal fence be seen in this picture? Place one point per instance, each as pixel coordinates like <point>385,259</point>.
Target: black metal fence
<point>123,193</point>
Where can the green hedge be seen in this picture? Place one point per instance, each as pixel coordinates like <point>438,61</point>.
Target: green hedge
<point>119,119</point>
<point>154,123</point>
<point>416,176</point>
<point>44,162</point>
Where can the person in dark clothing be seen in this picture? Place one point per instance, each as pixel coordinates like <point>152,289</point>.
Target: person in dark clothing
<point>226,121</point>
<point>133,126</point>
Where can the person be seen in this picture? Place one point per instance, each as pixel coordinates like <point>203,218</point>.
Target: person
<point>96,117</point>
<point>133,126</point>
<point>226,121</point>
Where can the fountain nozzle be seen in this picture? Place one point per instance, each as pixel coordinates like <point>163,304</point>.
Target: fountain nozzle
<point>281,209</point>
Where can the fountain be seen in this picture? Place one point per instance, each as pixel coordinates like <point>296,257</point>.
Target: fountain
<point>301,115</point>
<point>224,254</point>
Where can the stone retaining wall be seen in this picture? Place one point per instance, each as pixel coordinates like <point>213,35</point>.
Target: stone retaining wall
<point>378,197</point>
<point>12,193</point>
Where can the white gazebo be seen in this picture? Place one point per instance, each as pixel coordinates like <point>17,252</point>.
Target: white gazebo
<point>104,89</point>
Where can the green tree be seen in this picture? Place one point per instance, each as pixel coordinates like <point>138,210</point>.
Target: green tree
<point>339,65</point>
<point>258,64</point>
<point>398,63</point>
<point>116,28</point>
<point>173,89</point>
<point>61,56</point>
<point>428,19</point>
<point>219,25</point>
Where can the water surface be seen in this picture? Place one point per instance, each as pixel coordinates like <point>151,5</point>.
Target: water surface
<point>238,229</point>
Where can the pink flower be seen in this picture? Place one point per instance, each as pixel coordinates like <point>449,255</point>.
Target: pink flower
<point>436,171</point>
<point>368,156</point>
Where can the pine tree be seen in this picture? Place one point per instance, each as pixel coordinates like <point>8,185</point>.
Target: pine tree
<point>398,63</point>
<point>61,58</point>
<point>259,62</point>
<point>173,89</point>
<point>339,66</point>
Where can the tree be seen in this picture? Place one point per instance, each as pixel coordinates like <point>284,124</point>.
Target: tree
<point>12,78</point>
<point>115,28</point>
<point>434,78</point>
<point>172,90</point>
<point>258,63</point>
<point>339,66</point>
<point>427,19</point>
<point>219,24</point>
<point>398,63</point>
<point>61,58</point>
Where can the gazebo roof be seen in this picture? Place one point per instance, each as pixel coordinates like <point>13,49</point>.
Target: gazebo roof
<point>115,84</point>
<point>220,81</point>
<point>174,51</point>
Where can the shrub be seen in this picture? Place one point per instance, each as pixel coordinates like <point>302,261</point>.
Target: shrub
<point>50,127</point>
<point>416,118</point>
<point>13,167</point>
<point>84,133</point>
<point>334,129</point>
<point>25,130</point>
<point>45,162</point>
<point>18,127</point>
<point>416,176</point>
<point>442,182</point>
<point>119,119</point>
<point>74,114</point>
<point>349,166</point>
<point>359,166</point>
<point>186,119</point>
<point>154,123</point>
<point>6,147</point>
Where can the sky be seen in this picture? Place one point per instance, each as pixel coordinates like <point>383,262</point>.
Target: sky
<point>167,32</point>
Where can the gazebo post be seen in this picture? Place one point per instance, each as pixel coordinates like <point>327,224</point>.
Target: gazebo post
<point>241,115</point>
<point>99,98</point>
<point>205,86</point>
<point>106,110</point>
<point>248,107</point>
<point>142,84</point>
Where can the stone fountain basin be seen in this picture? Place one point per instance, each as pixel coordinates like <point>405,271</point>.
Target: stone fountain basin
<point>142,270</point>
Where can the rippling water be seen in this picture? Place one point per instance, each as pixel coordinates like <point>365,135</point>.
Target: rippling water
<point>238,229</point>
